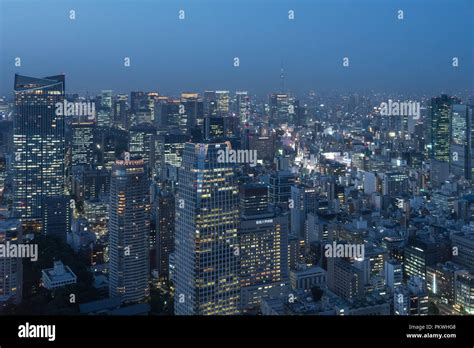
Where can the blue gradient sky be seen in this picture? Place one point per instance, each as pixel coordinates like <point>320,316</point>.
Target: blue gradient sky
<point>171,55</point>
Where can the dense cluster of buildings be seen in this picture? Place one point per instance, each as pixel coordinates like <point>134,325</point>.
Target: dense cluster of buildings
<point>354,204</point>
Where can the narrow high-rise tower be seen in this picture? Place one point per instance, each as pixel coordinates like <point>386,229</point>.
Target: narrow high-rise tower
<point>38,141</point>
<point>129,230</point>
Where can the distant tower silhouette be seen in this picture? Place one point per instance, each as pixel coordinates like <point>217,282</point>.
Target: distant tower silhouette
<point>282,78</point>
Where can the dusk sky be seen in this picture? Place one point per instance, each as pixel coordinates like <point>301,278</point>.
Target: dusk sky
<point>170,55</point>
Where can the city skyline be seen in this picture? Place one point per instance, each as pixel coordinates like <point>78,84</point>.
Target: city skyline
<point>306,160</point>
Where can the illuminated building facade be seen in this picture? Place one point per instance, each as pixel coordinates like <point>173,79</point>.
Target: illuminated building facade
<point>206,243</point>
<point>242,101</point>
<point>263,258</point>
<point>129,229</point>
<point>82,141</point>
<point>38,144</point>
<point>461,141</point>
<point>441,115</point>
<point>465,292</point>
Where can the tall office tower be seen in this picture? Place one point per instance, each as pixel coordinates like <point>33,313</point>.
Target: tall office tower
<point>304,200</point>
<point>464,292</point>
<point>222,99</point>
<point>281,110</point>
<point>121,111</point>
<point>142,143</point>
<point>57,216</point>
<point>300,113</point>
<point>106,99</point>
<point>11,269</point>
<point>171,113</point>
<point>140,107</point>
<point>263,236</point>
<point>242,103</point>
<point>471,141</point>
<point>210,103</point>
<point>151,99</point>
<point>82,142</point>
<point>461,141</point>
<point>165,219</point>
<point>104,117</point>
<point>129,229</point>
<point>206,242</point>
<point>169,151</point>
<point>38,144</point>
<point>193,108</point>
<point>137,100</point>
<point>441,115</point>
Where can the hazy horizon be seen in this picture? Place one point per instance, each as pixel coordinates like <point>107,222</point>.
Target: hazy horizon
<point>170,55</point>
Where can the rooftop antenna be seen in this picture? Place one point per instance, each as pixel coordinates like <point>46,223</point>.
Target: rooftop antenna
<point>282,77</point>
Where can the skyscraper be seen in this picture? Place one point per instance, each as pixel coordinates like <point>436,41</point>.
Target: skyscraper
<point>460,141</point>
<point>210,103</point>
<point>169,151</point>
<point>129,229</point>
<point>305,200</point>
<point>441,114</point>
<point>57,216</point>
<point>82,142</point>
<point>206,243</point>
<point>263,236</point>
<point>141,143</point>
<point>171,113</point>
<point>165,217</point>
<point>222,99</point>
<point>242,105</point>
<point>121,111</point>
<point>282,108</point>
<point>38,144</point>
<point>106,99</point>
<point>193,111</point>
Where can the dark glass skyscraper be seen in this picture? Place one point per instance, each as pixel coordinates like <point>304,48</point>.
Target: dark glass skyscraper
<point>38,144</point>
<point>441,115</point>
<point>165,218</point>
